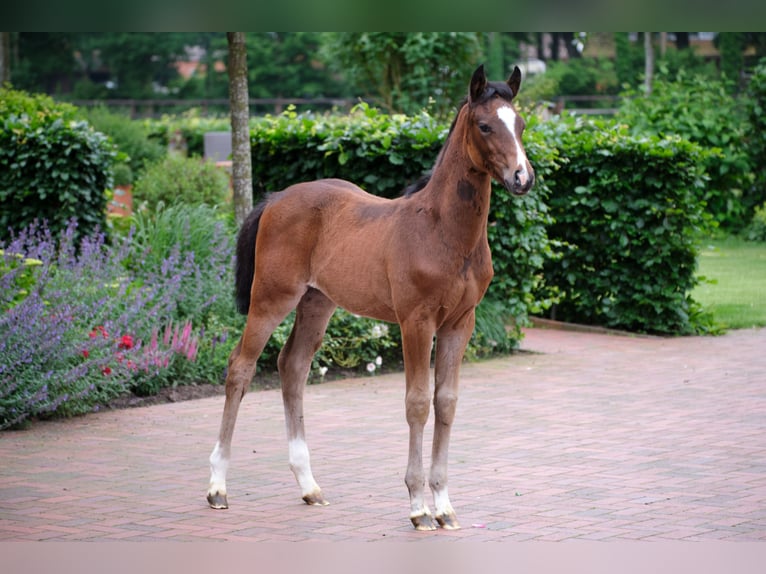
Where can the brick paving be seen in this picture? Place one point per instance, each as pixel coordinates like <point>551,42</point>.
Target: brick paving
<point>588,436</point>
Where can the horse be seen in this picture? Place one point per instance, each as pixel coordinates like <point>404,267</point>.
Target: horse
<point>421,260</point>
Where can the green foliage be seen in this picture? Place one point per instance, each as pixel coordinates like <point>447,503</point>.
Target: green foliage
<point>627,209</point>
<point>732,47</point>
<point>755,108</point>
<point>584,77</point>
<point>131,137</point>
<point>186,132</point>
<point>629,60</point>
<point>382,153</point>
<point>176,179</point>
<point>702,111</point>
<point>403,70</point>
<point>52,167</point>
<point>756,229</point>
<point>200,235</point>
<point>22,272</point>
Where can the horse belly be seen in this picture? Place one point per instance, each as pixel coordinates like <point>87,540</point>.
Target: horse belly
<point>354,278</point>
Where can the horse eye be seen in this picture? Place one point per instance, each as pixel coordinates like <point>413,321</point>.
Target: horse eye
<point>485,128</point>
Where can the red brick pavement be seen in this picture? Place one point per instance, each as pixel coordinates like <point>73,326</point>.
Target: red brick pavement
<point>590,437</point>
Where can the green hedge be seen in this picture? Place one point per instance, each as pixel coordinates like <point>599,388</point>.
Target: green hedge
<point>52,167</point>
<point>755,107</point>
<point>627,210</point>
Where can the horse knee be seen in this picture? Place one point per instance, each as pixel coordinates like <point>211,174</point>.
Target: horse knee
<point>417,407</point>
<point>445,404</point>
<point>238,379</point>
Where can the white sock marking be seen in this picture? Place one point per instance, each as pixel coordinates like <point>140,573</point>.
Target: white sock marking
<point>442,504</point>
<point>218,467</point>
<point>300,464</point>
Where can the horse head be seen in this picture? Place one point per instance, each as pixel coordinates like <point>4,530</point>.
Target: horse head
<point>495,129</point>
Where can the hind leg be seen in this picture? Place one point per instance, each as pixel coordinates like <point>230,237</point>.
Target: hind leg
<point>313,313</point>
<point>264,316</point>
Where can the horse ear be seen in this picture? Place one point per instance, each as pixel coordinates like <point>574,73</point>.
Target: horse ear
<point>478,84</point>
<point>514,82</point>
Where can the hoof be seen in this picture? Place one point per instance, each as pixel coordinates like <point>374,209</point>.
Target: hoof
<point>423,522</point>
<point>315,499</point>
<point>217,500</point>
<point>448,522</point>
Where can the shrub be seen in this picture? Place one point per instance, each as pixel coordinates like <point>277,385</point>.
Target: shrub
<point>132,138</point>
<point>382,153</point>
<point>627,209</point>
<point>176,179</point>
<point>201,237</point>
<point>756,229</point>
<point>52,167</point>
<point>755,107</point>
<point>701,110</point>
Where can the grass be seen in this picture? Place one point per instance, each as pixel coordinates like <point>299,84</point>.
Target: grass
<point>737,297</point>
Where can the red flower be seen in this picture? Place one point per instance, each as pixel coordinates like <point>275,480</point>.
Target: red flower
<point>85,353</point>
<point>106,371</point>
<point>126,342</point>
<point>98,330</point>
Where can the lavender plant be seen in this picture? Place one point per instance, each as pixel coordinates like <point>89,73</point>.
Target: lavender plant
<point>82,332</point>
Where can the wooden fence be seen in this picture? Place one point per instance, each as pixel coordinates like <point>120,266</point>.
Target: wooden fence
<point>154,108</point>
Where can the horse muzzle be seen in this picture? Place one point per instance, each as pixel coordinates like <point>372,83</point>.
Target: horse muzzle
<point>520,182</point>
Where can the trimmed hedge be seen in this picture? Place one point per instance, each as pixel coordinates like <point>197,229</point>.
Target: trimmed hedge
<point>52,167</point>
<point>628,210</point>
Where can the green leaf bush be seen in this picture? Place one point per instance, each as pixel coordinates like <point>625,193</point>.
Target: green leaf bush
<point>132,138</point>
<point>626,210</point>
<point>703,111</point>
<point>177,179</point>
<point>52,166</point>
<point>755,142</point>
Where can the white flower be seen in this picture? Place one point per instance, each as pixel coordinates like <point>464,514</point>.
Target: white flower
<point>378,360</point>
<point>322,371</point>
<point>371,367</point>
<point>379,331</point>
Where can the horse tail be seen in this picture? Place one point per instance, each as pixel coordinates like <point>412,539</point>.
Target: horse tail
<point>245,265</point>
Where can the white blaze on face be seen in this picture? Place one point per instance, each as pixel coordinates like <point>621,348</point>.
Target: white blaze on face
<point>508,117</point>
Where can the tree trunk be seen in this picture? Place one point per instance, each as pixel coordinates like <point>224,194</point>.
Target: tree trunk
<point>649,62</point>
<point>242,166</point>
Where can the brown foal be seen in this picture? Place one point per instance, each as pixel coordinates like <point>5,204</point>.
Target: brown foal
<point>421,260</point>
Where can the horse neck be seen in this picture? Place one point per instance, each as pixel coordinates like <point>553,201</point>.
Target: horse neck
<point>459,193</point>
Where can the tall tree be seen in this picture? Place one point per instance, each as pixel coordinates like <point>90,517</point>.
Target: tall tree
<point>239,98</point>
<point>401,71</point>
